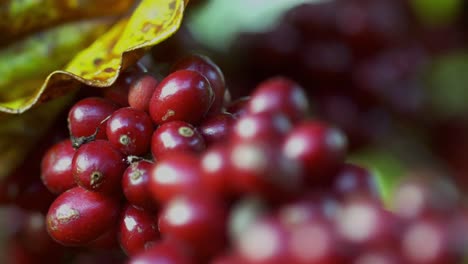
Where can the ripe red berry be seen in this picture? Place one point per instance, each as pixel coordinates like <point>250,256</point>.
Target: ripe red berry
<point>211,71</point>
<point>183,95</point>
<point>174,175</point>
<point>268,127</point>
<point>175,136</point>
<point>353,180</point>
<point>238,108</point>
<point>119,91</point>
<point>129,130</point>
<point>216,128</point>
<point>56,167</point>
<point>279,95</point>
<point>86,116</point>
<point>162,252</point>
<point>79,216</point>
<point>135,184</point>
<point>319,148</point>
<point>215,171</point>
<point>259,168</point>
<point>138,230</point>
<point>140,92</point>
<point>98,166</point>
<point>196,219</point>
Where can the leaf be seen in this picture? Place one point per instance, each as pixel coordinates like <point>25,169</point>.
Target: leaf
<point>20,17</point>
<point>100,64</point>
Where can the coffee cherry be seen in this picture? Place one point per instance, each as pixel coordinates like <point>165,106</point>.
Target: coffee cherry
<point>206,67</point>
<point>98,166</point>
<point>183,95</point>
<point>259,168</point>
<point>138,230</point>
<point>279,95</point>
<point>87,115</point>
<point>119,91</point>
<point>140,92</point>
<point>264,241</point>
<point>238,108</point>
<point>79,216</point>
<point>318,147</point>
<point>265,127</point>
<point>56,167</point>
<point>216,128</point>
<point>196,219</point>
<point>353,180</point>
<point>216,170</point>
<point>135,180</point>
<point>175,174</point>
<point>175,136</point>
<point>129,130</point>
<point>162,252</point>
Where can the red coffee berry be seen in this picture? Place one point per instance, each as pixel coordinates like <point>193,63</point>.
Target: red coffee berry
<point>86,116</point>
<point>119,91</point>
<point>138,230</point>
<point>183,95</point>
<point>98,166</point>
<point>135,180</point>
<point>279,95</point>
<point>263,241</point>
<point>175,136</point>
<point>215,171</point>
<point>196,219</point>
<point>56,167</point>
<point>353,180</point>
<point>129,130</point>
<point>319,148</point>
<point>175,174</point>
<point>79,216</point>
<point>259,168</point>
<point>238,108</point>
<point>216,128</point>
<point>268,127</point>
<point>162,252</point>
<point>211,71</point>
<point>140,92</point>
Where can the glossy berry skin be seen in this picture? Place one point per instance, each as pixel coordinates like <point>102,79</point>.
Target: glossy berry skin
<point>319,148</point>
<point>119,91</point>
<point>98,166</point>
<point>162,252</point>
<point>202,225</point>
<point>140,92</point>
<point>129,130</point>
<point>135,184</point>
<point>138,230</point>
<point>79,216</point>
<point>211,71</point>
<point>265,127</point>
<point>261,169</point>
<point>216,128</point>
<point>264,241</point>
<point>56,169</point>
<point>304,238</point>
<point>352,180</point>
<point>215,171</point>
<point>174,175</point>
<point>175,136</point>
<point>238,107</point>
<point>279,95</point>
<point>183,95</point>
<point>86,116</point>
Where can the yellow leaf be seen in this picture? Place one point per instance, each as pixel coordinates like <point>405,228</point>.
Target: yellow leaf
<point>19,17</point>
<point>100,64</point>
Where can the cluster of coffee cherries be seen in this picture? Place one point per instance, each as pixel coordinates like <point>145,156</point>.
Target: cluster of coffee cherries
<point>173,171</point>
